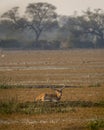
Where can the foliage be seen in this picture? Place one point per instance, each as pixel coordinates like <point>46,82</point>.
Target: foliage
<point>10,43</point>
<point>12,16</point>
<point>4,86</point>
<point>96,124</point>
<point>42,16</point>
<point>13,106</point>
<point>84,31</point>
<point>95,85</point>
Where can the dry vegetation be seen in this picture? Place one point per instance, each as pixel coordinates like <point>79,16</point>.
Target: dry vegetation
<point>74,67</point>
<point>82,104</point>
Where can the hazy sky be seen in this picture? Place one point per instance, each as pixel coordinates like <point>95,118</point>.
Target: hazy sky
<point>65,7</point>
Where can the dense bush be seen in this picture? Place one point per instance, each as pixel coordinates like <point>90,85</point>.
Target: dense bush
<point>10,43</point>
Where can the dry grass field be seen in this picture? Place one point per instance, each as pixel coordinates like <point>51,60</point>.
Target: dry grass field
<point>82,103</point>
<point>73,67</point>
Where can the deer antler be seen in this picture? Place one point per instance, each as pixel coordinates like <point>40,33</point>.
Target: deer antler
<point>58,89</point>
<point>63,87</point>
<point>53,88</point>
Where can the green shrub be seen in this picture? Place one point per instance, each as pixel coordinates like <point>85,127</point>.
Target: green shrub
<point>4,86</point>
<point>8,107</point>
<point>96,124</point>
<point>95,85</point>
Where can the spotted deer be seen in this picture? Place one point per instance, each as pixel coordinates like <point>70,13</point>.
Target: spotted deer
<point>52,97</point>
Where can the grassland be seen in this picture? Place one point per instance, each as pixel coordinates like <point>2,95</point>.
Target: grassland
<point>74,67</point>
<point>82,103</point>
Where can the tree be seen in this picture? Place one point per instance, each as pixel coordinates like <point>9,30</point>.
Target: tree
<point>79,36</point>
<point>41,17</point>
<point>12,18</point>
<point>73,31</point>
<point>95,24</point>
<point>88,29</point>
<point>38,17</point>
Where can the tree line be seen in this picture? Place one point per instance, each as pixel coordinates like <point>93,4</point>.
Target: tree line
<point>40,27</point>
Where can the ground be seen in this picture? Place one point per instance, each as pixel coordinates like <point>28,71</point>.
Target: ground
<point>82,103</point>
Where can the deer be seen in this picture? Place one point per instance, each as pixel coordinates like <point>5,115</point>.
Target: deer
<point>51,97</point>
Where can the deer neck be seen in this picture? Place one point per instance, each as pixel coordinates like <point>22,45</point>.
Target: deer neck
<point>59,94</point>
